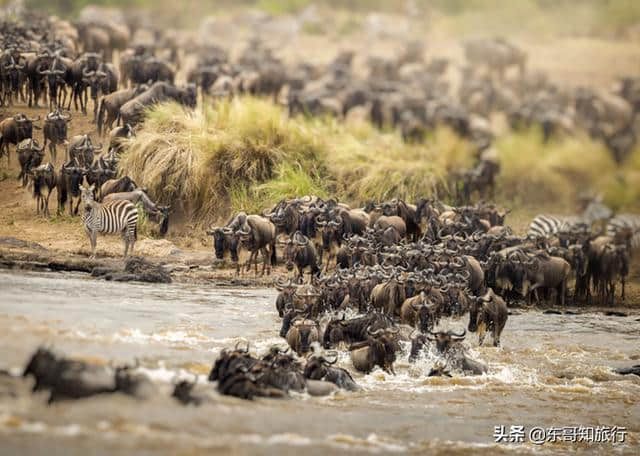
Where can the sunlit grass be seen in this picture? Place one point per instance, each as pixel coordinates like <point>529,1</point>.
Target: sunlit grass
<point>247,154</point>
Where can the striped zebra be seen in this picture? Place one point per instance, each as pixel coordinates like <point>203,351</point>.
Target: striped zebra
<point>543,225</point>
<point>118,216</point>
<point>629,222</point>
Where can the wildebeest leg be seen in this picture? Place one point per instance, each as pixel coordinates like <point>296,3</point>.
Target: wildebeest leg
<point>622,281</point>
<point>75,210</point>
<point>46,205</point>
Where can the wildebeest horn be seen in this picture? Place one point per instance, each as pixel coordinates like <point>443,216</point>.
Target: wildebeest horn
<point>246,350</point>
<point>227,230</point>
<point>392,330</point>
<point>458,336</point>
<point>87,73</point>
<point>245,232</point>
<point>373,333</point>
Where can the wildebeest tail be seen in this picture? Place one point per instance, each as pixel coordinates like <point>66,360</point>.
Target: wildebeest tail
<point>101,110</point>
<point>274,258</point>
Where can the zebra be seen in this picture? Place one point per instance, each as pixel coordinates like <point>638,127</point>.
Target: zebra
<point>543,225</point>
<point>629,222</point>
<point>110,217</point>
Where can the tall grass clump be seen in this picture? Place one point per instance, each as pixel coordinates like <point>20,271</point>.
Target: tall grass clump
<point>197,159</point>
<point>246,153</point>
<point>555,173</point>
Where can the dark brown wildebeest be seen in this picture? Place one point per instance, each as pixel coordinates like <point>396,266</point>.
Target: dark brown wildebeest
<point>122,184</point>
<point>488,312</point>
<point>13,130</point>
<point>111,104</point>
<point>30,155</point>
<point>81,148</point>
<point>301,253</point>
<point>68,183</point>
<point>378,350</point>
<point>43,176</point>
<point>55,132</point>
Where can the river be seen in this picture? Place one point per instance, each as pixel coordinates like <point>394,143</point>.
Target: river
<point>552,371</point>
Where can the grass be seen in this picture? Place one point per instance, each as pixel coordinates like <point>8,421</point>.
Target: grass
<point>535,173</point>
<point>247,154</point>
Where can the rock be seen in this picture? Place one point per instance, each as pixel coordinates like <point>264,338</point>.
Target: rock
<point>635,370</point>
<point>136,269</point>
<point>614,313</point>
<point>13,242</point>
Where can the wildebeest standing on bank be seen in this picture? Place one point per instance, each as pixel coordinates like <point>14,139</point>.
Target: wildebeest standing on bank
<point>30,155</point>
<point>13,130</point>
<point>55,132</point>
<point>69,180</point>
<point>111,217</point>
<point>43,176</point>
<point>257,234</point>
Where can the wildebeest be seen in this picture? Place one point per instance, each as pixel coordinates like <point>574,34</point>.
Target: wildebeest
<point>378,350</point>
<point>353,330</point>
<point>301,253</point>
<point>448,345</point>
<point>55,131</point>
<point>30,155</point>
<point>320,368</point>
<point>111,104</point>
<point>418,312</point>
<point>301,334</point>
<point>122,184</point>
<point>15,129</point>
<point>548,272</point>
<point>70,178</point>
<point>488,312</point>
<point>43,176</point>
<point>81,148</point>
<point>157,212</point>
<point>257,234</point>
<point>131,111</point>
<point>389,296</point>
<point>68,379</point>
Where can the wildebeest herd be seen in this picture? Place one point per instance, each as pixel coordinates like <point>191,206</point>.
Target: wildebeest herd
<point>381,277</point>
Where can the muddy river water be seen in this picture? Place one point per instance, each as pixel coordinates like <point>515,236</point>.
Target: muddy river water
<point>552,371</point>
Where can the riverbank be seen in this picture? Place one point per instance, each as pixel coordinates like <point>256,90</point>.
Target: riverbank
<point>201,268</point>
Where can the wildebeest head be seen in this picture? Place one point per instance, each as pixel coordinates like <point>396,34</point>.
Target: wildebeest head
<point>445,340</point>
<point>296,243</point>
<point>425,312</point>
<point>182,391</point>
<point>290,314</point>
<point>383,345</point>
<point>334,332</point>
<point>40,365</point>
<point>93,79</point>
<point>231,360</point>
<point>221,240</point>
<point>331,232</point>
<point>318,366</point>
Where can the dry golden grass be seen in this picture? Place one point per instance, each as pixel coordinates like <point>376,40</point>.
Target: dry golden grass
<point>247,154</point>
